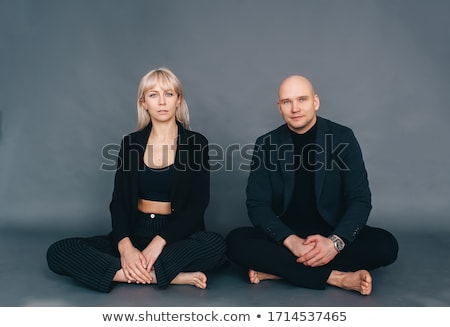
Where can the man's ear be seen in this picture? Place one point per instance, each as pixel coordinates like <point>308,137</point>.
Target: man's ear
<point>316,102</point>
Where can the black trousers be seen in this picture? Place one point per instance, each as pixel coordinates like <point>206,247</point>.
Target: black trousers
<point>94,261</point>
<point>251,248</point>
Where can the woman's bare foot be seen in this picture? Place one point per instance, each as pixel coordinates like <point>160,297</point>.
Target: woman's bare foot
<point>120,277</point>
<point>360,281</point>
<point>197,279</point>
<point>257,276</point>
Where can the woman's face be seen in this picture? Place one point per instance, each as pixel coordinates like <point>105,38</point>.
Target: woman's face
<point>161,104</point>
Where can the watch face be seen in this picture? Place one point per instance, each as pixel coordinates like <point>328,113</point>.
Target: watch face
<point>339,245</point>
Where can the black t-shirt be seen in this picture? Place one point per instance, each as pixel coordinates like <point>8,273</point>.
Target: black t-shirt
<point>302,214</point>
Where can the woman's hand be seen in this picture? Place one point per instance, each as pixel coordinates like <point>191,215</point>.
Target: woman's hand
<point>153,250</point>
<point>133,262</point>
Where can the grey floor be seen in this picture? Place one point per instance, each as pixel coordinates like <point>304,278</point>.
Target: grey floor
<point>420,277</point>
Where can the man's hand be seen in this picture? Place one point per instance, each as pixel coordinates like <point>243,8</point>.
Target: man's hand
<point>297,245</point>
<point>322,253</point>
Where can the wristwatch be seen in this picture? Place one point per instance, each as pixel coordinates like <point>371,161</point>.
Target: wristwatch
<point>338,242</point>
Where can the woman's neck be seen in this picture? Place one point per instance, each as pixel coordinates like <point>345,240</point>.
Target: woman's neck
<point>164,132</point>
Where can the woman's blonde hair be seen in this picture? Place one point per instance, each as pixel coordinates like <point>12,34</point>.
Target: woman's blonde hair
<point>167,80</point>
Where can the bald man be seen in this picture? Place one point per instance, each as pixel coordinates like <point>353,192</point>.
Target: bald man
<point>308,199</point>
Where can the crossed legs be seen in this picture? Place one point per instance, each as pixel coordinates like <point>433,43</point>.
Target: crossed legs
<point>264,259</point>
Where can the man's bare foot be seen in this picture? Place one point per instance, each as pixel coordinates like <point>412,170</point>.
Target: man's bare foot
<point>360,281</point>
<point>197,279</point>
<point>257,276</point>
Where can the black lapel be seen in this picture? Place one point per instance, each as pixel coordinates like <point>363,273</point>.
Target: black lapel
<point>320,155</point>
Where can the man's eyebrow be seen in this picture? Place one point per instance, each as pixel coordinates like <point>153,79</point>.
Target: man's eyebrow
<point>296,97</point>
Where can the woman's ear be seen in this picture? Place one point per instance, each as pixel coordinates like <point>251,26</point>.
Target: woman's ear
<point>142,103</point>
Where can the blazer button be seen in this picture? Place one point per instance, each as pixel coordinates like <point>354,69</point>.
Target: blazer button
<point>152,215</point>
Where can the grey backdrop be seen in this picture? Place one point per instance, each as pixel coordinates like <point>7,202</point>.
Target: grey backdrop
<point>70,70</point>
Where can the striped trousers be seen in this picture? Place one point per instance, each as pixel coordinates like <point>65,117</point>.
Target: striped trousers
<point>93,261</point>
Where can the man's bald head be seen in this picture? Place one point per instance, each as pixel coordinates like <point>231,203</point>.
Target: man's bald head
<point>295,82</point>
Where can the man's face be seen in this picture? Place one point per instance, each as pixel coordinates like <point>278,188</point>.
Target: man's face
<point>298,104</point>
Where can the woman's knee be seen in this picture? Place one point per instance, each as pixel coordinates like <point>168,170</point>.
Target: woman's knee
<point>60,250</point>
<point>211,240</point>
<point>53,255</point>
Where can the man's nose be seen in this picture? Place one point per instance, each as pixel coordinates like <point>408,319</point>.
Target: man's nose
<point>296,106</point>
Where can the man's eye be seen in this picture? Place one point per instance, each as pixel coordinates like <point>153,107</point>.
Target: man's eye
<point>285,102</point>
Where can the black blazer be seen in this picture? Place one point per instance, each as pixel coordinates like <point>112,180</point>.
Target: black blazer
<point>190,189</point>
<point>341,184</point>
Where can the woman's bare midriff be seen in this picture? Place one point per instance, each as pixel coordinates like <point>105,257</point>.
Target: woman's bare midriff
<point>156,207</point>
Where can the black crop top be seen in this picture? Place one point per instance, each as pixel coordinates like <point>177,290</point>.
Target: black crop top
<point>155,183</point>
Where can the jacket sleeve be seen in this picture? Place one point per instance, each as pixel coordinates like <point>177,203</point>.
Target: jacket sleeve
<point>118,206</point>
<point>355,188</point>
<point>264,187</point>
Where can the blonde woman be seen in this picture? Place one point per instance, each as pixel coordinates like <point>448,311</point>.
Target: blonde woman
<point>161,192</point>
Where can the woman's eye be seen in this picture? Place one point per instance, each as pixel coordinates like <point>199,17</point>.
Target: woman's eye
<point>169,94</point>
